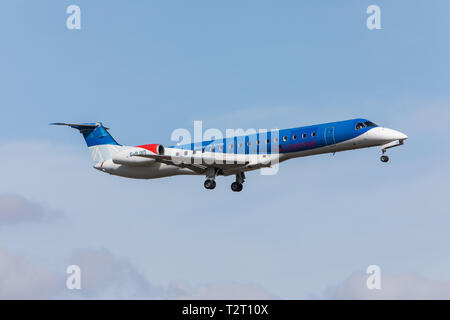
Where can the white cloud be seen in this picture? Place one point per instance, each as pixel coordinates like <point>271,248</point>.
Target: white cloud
<point>104,276</point>
<point>15,209</point>
<point>24,278</point>
<point>393,286</point>
<point>107,277</point>
<point>223,290</point>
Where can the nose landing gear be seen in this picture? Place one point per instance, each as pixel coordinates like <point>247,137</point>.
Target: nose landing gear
<point>384,158</point>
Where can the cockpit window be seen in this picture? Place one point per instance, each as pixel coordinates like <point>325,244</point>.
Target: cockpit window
<point>370,124</point>
<point>360,125</point>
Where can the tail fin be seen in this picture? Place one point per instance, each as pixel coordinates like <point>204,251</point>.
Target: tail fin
<point>101,144</point>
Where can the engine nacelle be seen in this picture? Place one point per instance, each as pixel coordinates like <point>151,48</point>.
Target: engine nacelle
<point>154,148</point>
<point>130,156</point>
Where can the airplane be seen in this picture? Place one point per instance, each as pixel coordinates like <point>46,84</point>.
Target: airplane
<point>232,155</point>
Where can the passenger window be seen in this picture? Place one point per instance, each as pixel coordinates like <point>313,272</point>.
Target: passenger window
<point>221,148</point>
<point>240,144</point>
<point>304,136</point>
<point>185,153</point>
<point>267,141</point>
<point>294,137</point>
<point>231,146</point>
<point>249,143</point>
<point>313,134</point>
<point>359,125</point>
<point>276,139</point>
<point>284,138</point>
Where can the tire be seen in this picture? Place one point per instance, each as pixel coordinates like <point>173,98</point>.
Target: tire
<point>210,184</point>
<point>236,187</point>
<point>384,158</point>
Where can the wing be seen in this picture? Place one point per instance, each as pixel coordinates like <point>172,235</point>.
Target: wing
<point>228,165</point>
<point>199,168</point>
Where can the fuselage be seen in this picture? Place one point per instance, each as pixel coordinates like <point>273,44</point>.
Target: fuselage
<point>251,151</point>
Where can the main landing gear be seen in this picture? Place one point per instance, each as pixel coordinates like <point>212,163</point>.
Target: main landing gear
<point>210,182</point>
<point>237,185</point>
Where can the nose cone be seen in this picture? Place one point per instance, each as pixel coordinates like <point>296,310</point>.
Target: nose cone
<point>401,136</point>
<point>395,135</point>
<point>385,135</point>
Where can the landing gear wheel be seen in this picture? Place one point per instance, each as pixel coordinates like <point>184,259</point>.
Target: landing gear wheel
<point>236,187</point>
<point>210,184</point>
<point>384,158</point>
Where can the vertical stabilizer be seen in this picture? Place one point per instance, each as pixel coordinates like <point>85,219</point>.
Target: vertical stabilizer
<point>99,141</point>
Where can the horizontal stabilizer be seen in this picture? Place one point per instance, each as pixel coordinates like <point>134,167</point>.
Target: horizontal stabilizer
<point>78,125</point>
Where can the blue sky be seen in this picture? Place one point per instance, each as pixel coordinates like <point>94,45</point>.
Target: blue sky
<point>145,68</point>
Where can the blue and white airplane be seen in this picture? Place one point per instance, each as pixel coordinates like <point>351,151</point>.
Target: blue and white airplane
<point>232,155</point>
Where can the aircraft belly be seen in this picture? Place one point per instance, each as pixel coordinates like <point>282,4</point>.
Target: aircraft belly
<point>157,170</point>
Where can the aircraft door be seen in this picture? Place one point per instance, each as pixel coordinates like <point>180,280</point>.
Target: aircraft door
<point>329,135</point>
